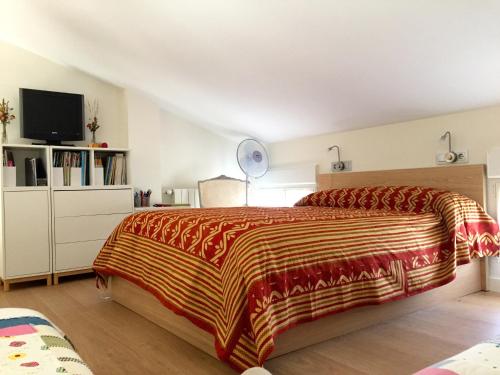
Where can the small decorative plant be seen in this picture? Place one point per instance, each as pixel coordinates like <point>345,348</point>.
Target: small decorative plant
<point>93,112</point>
<point>5,118</point>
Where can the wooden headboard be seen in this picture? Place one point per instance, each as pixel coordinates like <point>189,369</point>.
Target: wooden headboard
<point>468,180</point>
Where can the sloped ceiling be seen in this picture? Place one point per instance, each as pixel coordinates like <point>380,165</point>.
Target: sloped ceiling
<point>277,69</point>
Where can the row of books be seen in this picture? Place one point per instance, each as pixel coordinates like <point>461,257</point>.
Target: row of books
<point>72,159</point>
<point>69,159</point>
<point>114,168</point>
<point>8,159</point>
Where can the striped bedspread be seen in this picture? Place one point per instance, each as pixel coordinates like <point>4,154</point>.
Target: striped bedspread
<point>247,274</point>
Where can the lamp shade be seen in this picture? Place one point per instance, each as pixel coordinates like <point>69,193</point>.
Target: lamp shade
<point>493,163</point>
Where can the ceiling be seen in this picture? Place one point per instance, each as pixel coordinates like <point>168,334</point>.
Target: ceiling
<point>277,69</point>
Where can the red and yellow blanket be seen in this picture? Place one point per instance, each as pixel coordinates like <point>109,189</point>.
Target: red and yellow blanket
<point>248,274</point>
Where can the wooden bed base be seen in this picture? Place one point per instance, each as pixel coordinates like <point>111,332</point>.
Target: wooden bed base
<point>468,180</point>
<point>143,303</point>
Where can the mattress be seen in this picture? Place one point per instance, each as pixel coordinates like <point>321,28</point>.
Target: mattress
<point>247,274</point>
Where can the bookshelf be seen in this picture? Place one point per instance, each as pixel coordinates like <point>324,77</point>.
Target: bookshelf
<point>68,218</point>
<point>15,175</point>
<point>114,170</point>
<point>70,166</point>
<point>92,187</point>
<point>26,188</point>
<point>94,175</point>
<point>48,156</point>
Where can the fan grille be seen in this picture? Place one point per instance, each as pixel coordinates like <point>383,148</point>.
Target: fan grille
<point>252,158</point>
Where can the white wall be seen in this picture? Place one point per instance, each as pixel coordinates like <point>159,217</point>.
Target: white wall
<point>20,68</point>
<point>145,143</point>
<point>191,153</point>
<point>170,152</point>
<point>409,144</point>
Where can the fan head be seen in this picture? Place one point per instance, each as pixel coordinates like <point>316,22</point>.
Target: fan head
<point>252,158</point>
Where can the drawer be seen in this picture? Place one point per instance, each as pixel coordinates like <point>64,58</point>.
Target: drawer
<point>92,202</point>
<point>77,255</point>
<point>85,228</point>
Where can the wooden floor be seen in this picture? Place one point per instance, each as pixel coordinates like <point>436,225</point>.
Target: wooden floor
<point>114,340</point>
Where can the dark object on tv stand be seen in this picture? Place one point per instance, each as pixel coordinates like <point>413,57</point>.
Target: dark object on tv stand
<point>54,117</point>
<point>51,143</point>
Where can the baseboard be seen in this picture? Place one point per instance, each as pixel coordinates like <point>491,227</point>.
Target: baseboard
<point>494,284</point>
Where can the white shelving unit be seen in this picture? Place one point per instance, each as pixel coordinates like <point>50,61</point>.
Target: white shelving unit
<point>53,231</point>
<point>25,221</point>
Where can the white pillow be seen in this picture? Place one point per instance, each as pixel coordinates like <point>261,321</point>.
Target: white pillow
<point>256,371</point>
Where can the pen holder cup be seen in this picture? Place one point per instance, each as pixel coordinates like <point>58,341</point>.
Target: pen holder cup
<point>137,200</point>
<point>145,201</point>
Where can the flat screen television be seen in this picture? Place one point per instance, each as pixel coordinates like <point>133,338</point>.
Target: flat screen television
<point>51,116</point>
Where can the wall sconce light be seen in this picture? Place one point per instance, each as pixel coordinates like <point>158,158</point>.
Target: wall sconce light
<point>339,164</point>
<point>450,156</point>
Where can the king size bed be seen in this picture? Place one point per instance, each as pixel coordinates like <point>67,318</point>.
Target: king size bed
<point>235,281</point>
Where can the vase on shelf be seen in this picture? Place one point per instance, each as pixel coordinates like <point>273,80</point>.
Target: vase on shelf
<point>93,138</point>
<point>5,139</point>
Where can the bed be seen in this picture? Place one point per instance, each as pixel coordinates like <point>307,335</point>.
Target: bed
<point>243,277</point>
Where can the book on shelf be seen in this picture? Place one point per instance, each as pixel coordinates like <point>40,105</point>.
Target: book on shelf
<point>9,169</point>
<point>8,159</point>
<point>34,172</point>
<point>118,180</point>
<point>68,161</point>
<point>114,168</point>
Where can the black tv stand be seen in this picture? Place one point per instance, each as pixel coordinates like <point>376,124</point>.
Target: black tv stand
<point>51,143</point>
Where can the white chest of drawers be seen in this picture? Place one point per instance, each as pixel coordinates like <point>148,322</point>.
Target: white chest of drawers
<point>82,221</point>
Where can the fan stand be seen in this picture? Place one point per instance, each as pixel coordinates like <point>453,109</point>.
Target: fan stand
<point>246,190</point>
<point>249,158</point>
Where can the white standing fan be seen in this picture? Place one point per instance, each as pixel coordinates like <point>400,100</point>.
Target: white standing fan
<point>253,160</point>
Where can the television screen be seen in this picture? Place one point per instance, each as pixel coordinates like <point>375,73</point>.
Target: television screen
<point>51,116</point>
